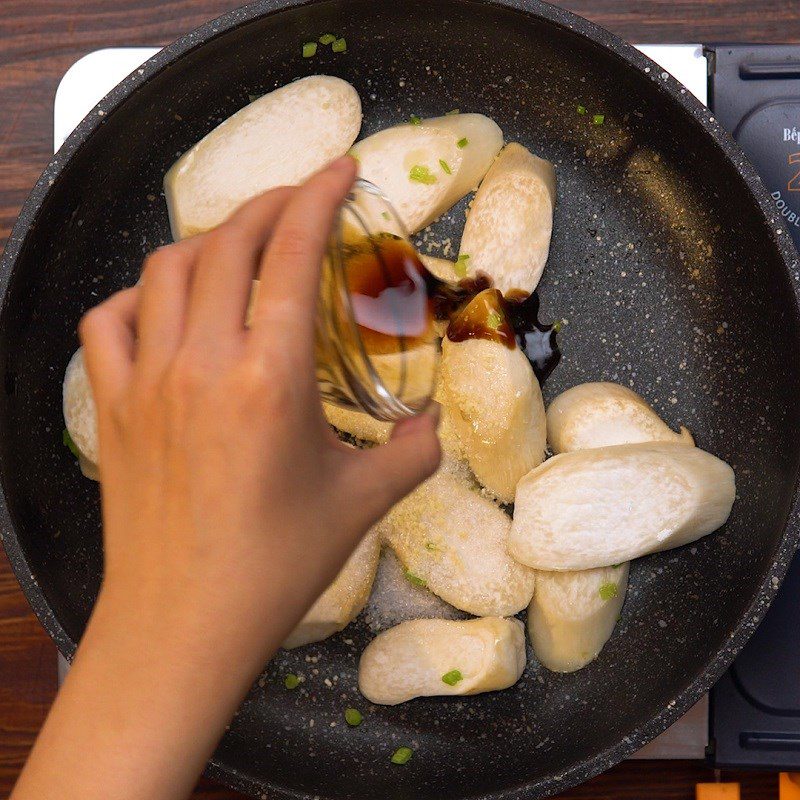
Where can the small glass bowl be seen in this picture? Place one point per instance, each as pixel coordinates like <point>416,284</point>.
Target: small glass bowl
<point>377,345</point>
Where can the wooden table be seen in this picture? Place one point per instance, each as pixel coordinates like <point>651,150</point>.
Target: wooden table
<point>39,40</point>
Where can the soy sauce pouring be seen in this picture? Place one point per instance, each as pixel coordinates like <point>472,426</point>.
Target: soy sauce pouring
<point>512,320</point>
<point>377,344</point>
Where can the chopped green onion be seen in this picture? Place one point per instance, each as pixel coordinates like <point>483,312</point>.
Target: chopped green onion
<point>494,320</point>
<point>581,109</point>
<point>327,38</point>
<point>608,591</point>
<point>598,119</point>
<point>402,755</point>
<point>453,677</point>
<point>413,579</point>
<point>386,215</point>
<point>68,442</point>
<point>353,717</point>
<point>462,143</point>
<point>460,267</point>
<point>431,546</point>
<point>309,49</point>
<point>339,46</point>
<point>291,681</point>
<point>452,113</point>
<point>421,174</point>
<point>414,119</point>
<point>445,166</point>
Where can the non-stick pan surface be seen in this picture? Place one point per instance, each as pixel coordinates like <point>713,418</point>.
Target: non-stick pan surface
<point>666,263</point>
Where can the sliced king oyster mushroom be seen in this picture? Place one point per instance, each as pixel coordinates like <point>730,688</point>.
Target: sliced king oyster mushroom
<point>279,139</point>
<point>343,600</point>
<point>508,228</point>
<point>394,599</point>
<point>357,423</point>
<point>573,614</point>
<point>80,415</point>
<point>440,268</point>
<point>604,414</point>
<point>425,169</point>
<point>453,540</point>
<point>595,508</point>
<point>444,270</point>
<point>494,402</point>
<point>428,657</point>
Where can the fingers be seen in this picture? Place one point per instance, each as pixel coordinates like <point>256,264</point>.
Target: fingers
<point>107,334</point>
<point>164,294</point>
<point>290,268</point>
<point>226,266</point>
<point>382,476</point>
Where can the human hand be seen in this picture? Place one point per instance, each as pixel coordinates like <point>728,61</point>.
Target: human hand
<point>228,503</point>
<point>226,497</point>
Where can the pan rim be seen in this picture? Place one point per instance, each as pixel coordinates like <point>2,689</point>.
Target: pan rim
<point>672,91</point>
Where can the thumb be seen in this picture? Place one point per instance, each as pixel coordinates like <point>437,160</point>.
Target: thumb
<point>385,475</point>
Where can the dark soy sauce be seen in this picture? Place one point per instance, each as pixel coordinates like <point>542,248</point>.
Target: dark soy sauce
<point>512,321</point>
<point>389,295</point>
<point>395,301</point>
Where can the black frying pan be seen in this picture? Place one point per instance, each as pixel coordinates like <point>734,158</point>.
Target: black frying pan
<point>666,261</point>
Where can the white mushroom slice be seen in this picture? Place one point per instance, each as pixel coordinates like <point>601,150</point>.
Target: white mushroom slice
<point>508,229</point>
<point>604,414</point>
<point>80,414</point>
<point>440,268</point>
<point>444,270</point>
<point>89,469</point>
<point>357,423</point>
<point>279,139</point>
<point>422,169</point>
<point>496,409</point>
<point>343,600</point>
<point>454,541</point>
<point>410,374</point>
<point>394,599</point>
<point>573,614</point>
<point>595,508</point>
<point>429,657</point>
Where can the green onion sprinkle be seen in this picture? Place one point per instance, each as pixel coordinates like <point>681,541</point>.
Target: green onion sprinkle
<point>291,681</point>
<point>421,174</point>
<point>608,591</point>
<point>413,579</point>
<point>402,755</point>
<point>453,677</point>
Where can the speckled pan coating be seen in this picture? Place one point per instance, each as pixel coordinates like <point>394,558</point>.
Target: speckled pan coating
<point>668,263</point>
